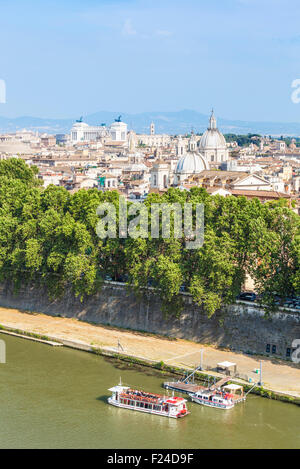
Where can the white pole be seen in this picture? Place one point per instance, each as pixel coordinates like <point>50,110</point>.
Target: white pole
<point>201,359</point>
<point>260,374</point>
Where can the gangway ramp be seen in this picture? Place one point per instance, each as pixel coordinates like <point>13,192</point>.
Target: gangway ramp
<point>220,383</point>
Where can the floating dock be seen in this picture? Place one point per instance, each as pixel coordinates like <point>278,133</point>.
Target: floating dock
<point>186,387</point>
<point>181,386</point>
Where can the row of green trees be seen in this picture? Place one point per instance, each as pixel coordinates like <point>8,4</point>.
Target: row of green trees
<point>243,140</point>
<point>48,236</point>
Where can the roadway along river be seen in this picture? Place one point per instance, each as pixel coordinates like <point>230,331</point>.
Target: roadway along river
<point>56,398</point>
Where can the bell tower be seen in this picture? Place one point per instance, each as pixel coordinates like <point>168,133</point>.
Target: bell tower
<point>180,147</point>
<point>193,143</point>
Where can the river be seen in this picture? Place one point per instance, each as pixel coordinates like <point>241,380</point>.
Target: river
<point>56,398</point>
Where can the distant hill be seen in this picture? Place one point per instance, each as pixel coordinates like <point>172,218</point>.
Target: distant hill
<point>180,122</point>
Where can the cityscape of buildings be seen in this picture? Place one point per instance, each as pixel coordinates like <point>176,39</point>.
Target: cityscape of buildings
<point>115,158</point>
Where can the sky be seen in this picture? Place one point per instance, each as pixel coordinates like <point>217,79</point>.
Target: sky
<point>69,58</point>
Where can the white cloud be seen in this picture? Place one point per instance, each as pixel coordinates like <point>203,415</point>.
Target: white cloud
<point>128,29</point>
<point>163,33</point>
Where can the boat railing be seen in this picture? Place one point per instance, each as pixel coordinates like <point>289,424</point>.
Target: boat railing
<point>149,400</point>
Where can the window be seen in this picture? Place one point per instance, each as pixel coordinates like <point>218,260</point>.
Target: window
<point>268,348</point>
<point>273,348</point>
<point>288,352</point>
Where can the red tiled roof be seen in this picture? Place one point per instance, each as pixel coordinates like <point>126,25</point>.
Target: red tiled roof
<point>265,194</point>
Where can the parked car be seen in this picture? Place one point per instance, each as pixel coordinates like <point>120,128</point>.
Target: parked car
<point>247,296</point>
<point>122,278</point>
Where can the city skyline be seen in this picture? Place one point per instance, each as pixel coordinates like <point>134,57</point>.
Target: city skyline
<point>240,56</point>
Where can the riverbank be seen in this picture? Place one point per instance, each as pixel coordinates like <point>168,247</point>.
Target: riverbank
<point>278,376</point>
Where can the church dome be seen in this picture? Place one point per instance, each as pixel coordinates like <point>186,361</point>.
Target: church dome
<point>190,163</point>
<point>212,137</point>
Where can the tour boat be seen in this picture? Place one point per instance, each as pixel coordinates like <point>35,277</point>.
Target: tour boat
<point>220,398</point>
<point>127,398</point>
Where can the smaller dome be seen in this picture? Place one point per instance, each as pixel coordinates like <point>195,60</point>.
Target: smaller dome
<point>191,162</point>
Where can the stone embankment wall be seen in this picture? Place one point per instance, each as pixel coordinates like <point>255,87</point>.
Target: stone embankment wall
<point>241,327</point>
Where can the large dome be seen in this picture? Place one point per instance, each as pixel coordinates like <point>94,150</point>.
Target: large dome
<point>212,144</point>
<point>212,138</point>
<point>190,163</point>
